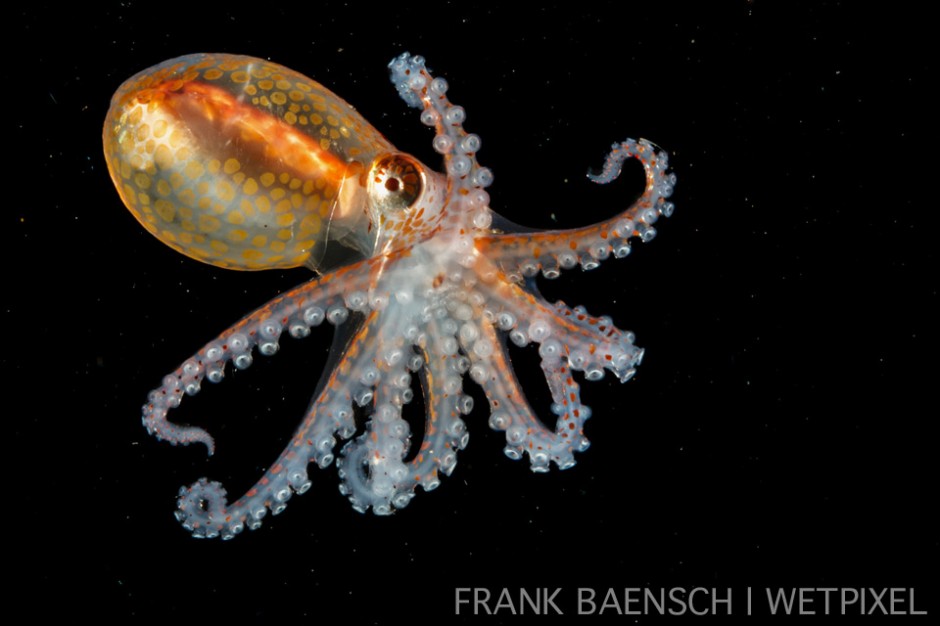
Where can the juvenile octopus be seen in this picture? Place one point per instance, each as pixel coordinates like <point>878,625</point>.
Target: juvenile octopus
<point>245,164</point>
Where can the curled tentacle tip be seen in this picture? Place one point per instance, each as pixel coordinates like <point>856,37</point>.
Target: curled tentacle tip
<point>180,435</point>
<point>203,510</point>
<point>198,435</point>
<point>620,152</point>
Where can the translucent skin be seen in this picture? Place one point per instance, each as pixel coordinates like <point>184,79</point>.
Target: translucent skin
<point>242,163</point>
<point>437,294</point>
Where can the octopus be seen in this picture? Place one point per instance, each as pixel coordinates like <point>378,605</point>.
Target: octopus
<point>245,164</point>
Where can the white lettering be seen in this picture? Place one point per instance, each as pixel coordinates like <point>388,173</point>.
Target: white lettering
<point>780,598</point>
<point>481,596</point>
<point>585,599</point>
<point>610,602</point>
<point>878,604</point>
<point>846,603</point>
<point>717,600</point>
<point>460,599</point>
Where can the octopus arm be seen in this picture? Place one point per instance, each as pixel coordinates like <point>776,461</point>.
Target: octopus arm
<point>203,508</point>
<point>327,298</point>
<point>525,254</point>
<point>466,178</point>
<point>569,340</point>
<point>373,469</point>
<point>510,412</point>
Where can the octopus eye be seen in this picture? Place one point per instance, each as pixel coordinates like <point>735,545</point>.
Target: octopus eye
<point>395,183</point>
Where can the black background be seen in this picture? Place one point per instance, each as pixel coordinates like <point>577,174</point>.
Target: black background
<point>781,430</point>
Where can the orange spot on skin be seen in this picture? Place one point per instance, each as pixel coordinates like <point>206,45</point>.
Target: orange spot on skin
<point>214,113</point>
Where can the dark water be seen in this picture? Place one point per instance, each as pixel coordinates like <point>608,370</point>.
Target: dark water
<point>779,434</point>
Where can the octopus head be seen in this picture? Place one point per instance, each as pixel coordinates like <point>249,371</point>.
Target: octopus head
<point>399,201</point>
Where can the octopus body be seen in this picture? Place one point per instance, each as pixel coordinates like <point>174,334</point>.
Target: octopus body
<point>245,164</point>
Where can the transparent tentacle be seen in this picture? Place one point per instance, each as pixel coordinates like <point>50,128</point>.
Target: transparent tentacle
<point>373,472</point>
<point>295,312</point>
<point>203,508</point>
<point>511,412</point>
<point>466,178</point>
<point>525,254</point>
<point>445,431</point>
<point>569,340</point>
<point>370,467</point>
